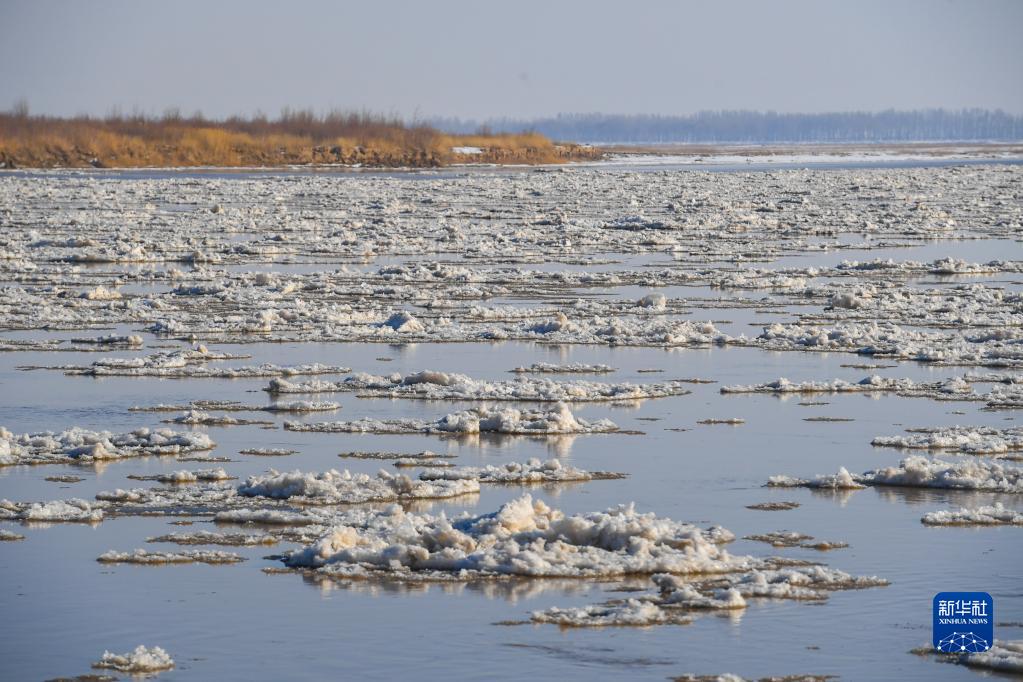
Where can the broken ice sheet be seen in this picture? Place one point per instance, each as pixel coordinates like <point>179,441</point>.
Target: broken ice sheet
<point>80,446</point>
<point>268,452</point>
<point>678,597</point>
<point>147,558</point>
<point>630,612</point>
<point>232,406</point>
<point>434,385</point>
<point>992,515</point>
<point>273,494</point>
<point>773,506</point>
<point>71,511</point>
<point>140,661</point>
<point>192,365</point>
<point>64,478</point>
<point>571,368</point>
<point>209,538</point>
<point>198,418</point>
<point>424,455</point>
<point>528,539</point>
<point>958,439</point>
<point>334,487</point>
<point>184,476</point>
<point>919,472</point>
<point>417,462</point>
<point>558,420</point>
<point>870,384</point>
<point>1006,396</point>
<point>491,545</point>
<point>531,471</point>
<point>1004,656</point>
<point>786,538</point>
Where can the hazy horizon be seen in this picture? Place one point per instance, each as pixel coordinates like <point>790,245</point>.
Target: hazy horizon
<point>472,61</point>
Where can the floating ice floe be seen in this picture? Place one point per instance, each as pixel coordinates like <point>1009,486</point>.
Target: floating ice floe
<point>978,440</point>
<point>425,455</point>
<point>185,476</point>
<point>994,515</point>
<point>73,510</point>
<point>231,406</point>
<point>279,385</point>
<point>988,349</point>
<point>139,661</point>
<point>14,345</point>
<point>954,388</point>
<point>532,471</point>
<point>431,385</point>
<point>843,480</point>
<point>268,452</point>
<point>64,478</point>
<point>570,368</point>
<point>558,420</point>
<point>9,536</point>
<point>627,613</point>
<point>209,538</point>
<point>919,472</point>
<point>343,487</point>
<point>130,340</point>
<point>787,538</point>
<point>413,462</point>
<point>773,506</point>
<point>141,556</point>
<point>84,447</point>
<point>203,457</point>
<point>274,492</point>
<point>191,364</point>
<point>291,497</point>
<point>523,538</point>
<point>101,293</point>
<point>200,418</point>
<point>679,596</point>
<point>800,582</point>
<point>177,499</point>
<point>176,359</point>
<point>204,372</point>
<point>1004,656</point>
<point>270,517</point>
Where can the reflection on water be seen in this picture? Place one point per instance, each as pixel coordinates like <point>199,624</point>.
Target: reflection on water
<point>942,498</point>
<point>511,590</point>
<point>588,655</point>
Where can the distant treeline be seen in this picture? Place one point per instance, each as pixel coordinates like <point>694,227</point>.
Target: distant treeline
<point>762,127</point>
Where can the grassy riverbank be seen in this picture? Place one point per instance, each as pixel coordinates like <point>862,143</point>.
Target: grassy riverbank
<point>296,138</point>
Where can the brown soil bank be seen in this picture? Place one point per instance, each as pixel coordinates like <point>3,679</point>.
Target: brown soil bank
<point>294,139</point>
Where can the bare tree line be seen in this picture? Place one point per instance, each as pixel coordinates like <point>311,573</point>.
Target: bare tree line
<point>762,127</point>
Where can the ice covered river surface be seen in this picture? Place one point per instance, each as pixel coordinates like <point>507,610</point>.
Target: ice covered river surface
<point>888,298</point>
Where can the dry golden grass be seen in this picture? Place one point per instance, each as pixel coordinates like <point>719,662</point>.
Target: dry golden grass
<point>296,138</point>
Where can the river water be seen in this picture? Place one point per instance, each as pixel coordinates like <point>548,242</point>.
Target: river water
<point>61,608</point>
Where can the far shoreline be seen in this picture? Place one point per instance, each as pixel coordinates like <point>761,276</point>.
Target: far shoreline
<point>666,155</point>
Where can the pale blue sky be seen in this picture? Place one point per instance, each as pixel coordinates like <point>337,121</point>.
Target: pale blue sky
<point>521,58</point>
